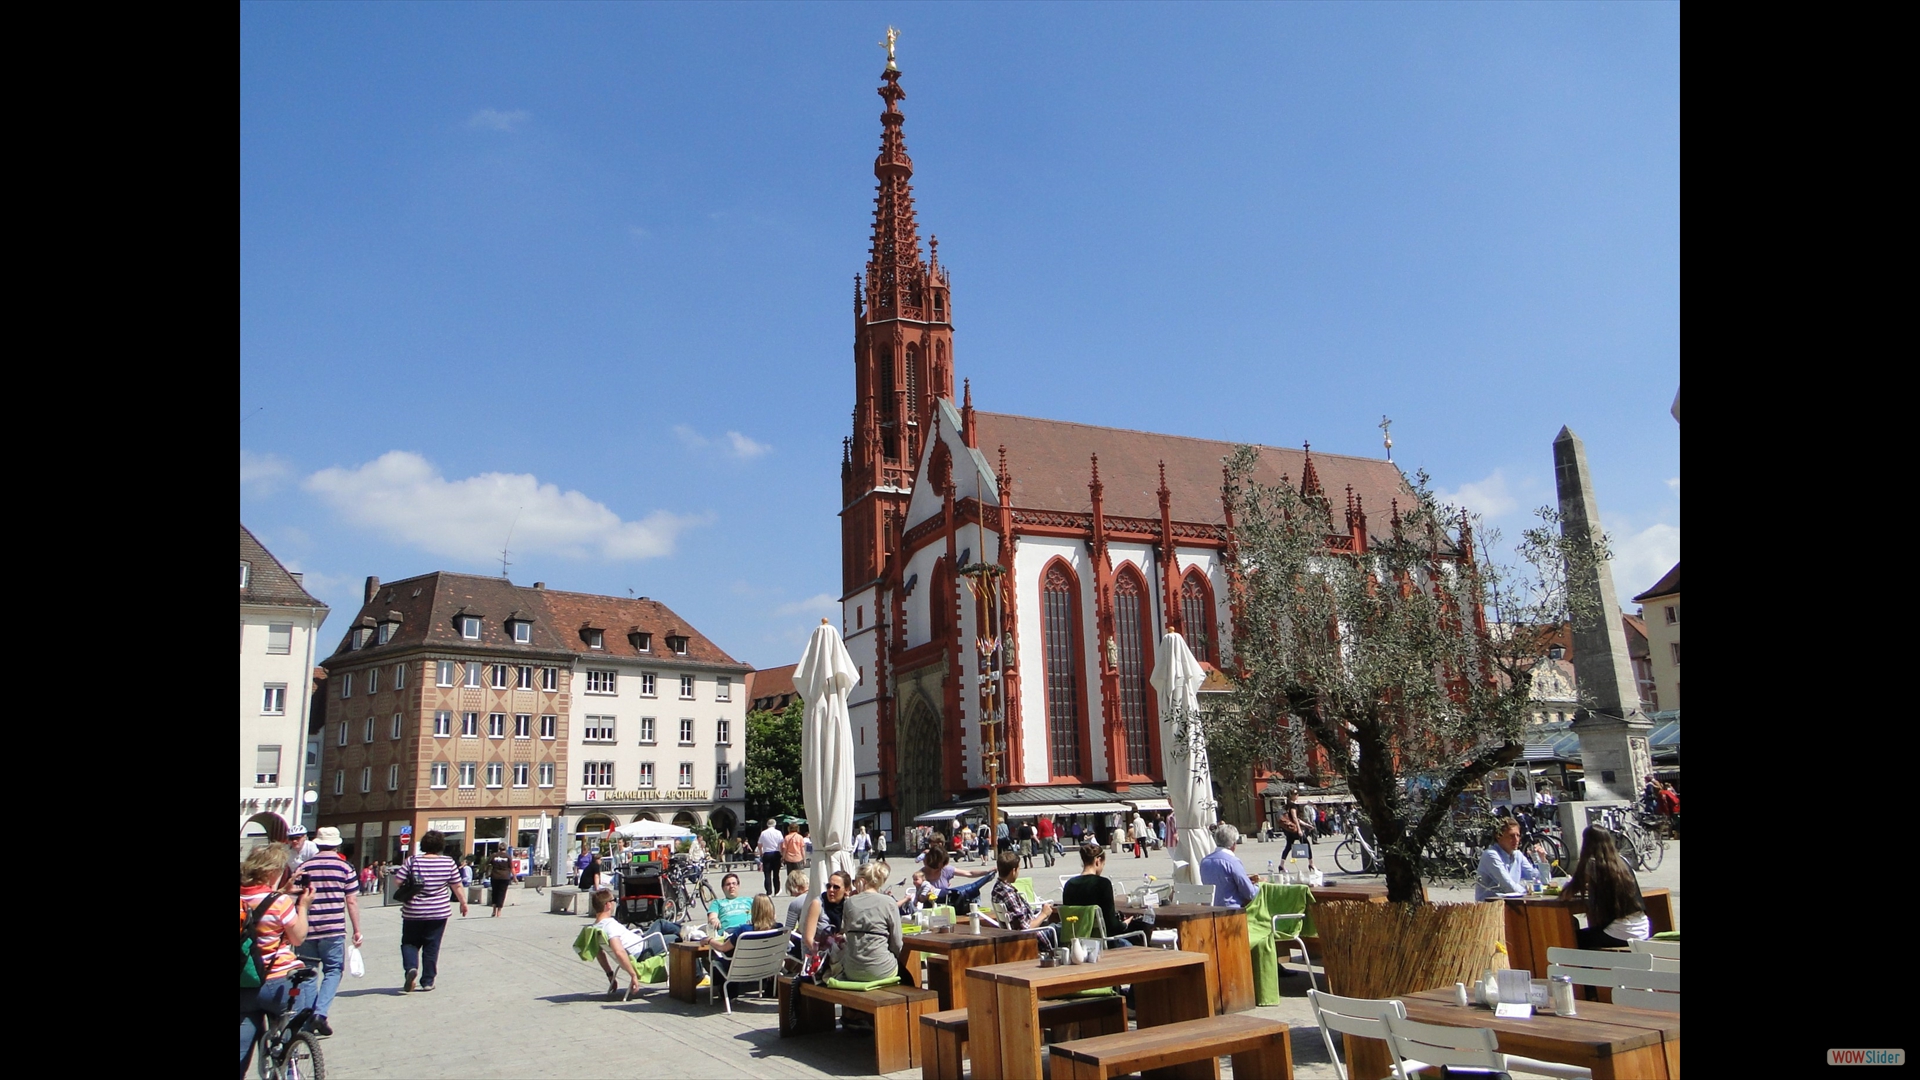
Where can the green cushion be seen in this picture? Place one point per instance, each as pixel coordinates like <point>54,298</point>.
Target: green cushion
<point>1667,935</point>
<point>1024,886</point>
<point>877,984</point>
<point>1271,900</point>
<point>588,942</point>
<point>651,970</point>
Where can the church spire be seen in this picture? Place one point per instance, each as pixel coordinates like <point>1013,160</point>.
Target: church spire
<point>894,270</point>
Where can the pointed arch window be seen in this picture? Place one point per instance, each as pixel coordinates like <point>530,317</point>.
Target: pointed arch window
<point>1196,616</point>
<point>1060,606</point>
<point>889,413</point>
<point>1131,633</point>
<point>940,598</point>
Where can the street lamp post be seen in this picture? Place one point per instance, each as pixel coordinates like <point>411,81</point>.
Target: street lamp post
<point>987,582</point>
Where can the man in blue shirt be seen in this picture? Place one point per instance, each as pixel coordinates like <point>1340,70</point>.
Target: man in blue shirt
<point>1222,869</point>
<point>1503,870</point>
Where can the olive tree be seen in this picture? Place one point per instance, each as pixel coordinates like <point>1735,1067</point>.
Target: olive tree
<point>1410,656</point>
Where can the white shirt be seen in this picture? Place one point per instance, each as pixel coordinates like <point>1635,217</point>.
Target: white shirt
<point>770,841</point>
<point>621,935</point>
<point>861,843</point>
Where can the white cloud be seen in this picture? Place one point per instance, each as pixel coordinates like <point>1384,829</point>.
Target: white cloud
<point>817,604</point>
<point>264,473</point>
<point>1640,558</point>
<point>402,496</point>
<point>732,444</point>
<point>1489,498</point>
<point>498,120</point>
<point>1675,485</point>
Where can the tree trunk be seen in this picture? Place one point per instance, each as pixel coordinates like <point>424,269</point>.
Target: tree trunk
<point>1403,879</point>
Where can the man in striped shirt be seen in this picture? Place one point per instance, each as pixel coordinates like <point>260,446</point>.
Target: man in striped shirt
<point>336,899</point>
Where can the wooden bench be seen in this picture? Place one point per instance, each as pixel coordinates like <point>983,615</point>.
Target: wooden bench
<point>1258,1047</point>
<point>896,1013</point>
<point>943,1035</point>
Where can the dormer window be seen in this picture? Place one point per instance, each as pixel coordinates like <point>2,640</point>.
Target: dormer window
<point>642,641</point>
<point>246,571</point>
<point>470,627</point>
<point>522,631</point>
<point>595,639</point>
<point>386,632</point>
<point>677,643</point>
<point>360,637</point>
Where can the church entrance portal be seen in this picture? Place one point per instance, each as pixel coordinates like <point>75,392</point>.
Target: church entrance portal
<point>919,748</point>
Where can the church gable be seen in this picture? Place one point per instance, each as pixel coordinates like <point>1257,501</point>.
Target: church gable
<point>947,454</point>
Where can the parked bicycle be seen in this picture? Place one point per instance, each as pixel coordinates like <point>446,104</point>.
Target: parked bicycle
<point>1642,847</point>
<point>1355,855</point>
<point>687,889</point>
<point>289,1051</point>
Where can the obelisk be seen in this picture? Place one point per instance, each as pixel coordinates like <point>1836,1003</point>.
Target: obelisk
<point>1614,756</point>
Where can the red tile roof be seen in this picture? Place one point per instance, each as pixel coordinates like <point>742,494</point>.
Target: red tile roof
<point>1666,586</point>
<point>773,684</point>
<point>268,582</point>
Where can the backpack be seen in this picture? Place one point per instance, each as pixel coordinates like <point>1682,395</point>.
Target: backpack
<point>253,965</point>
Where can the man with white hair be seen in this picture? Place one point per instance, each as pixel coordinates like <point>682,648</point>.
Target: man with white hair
<point>302,848</point>
<point>1222,869</point>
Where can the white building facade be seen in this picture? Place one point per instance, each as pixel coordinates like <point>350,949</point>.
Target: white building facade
<point>279,624</point>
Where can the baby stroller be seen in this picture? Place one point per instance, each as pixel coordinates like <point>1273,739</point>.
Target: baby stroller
<point>643,897</point>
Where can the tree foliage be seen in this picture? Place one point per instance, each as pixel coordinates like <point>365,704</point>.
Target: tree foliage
<point>773,762</point>
<point>1412,660</point>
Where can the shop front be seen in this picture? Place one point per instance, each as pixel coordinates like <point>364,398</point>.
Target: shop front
<point>590,820</point>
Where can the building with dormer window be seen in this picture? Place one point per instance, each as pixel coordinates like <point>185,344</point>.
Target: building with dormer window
<point>279,622</point>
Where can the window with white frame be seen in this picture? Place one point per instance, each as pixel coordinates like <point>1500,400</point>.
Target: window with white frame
<point>439,774</point>
<point>280,638</point>
<point>396,726</point>
<point>597,729</point>
<point>686,688</point>
<point>526,677</point>
<point>677,644</point>
<point>245,571</point>
<point>720,774</point>
<point>442,724</point>
<point>686,731</point>
<point>546,774</point>
<point>686,774</point>
<point>523,634</point>
<point>602,682</point>
<point>723,732</point>
<point>643,642</point>
<point>646,684</point>
<point>273,699</point>
<point>1673,616</point>
<point>393,777</point>
<point>499,676</point>
<point>339,781</point>
<point>469,629</point>
<point>496,774</point>
<point>470,725</point>
<point>550,679</point>
<point>723,689</point>
<point>443,673</point>
<point>596,774</point>
<point>549,726</point>
<point>596,639</point>
<point>473,674</point>
<point>1675,646</point>
<point>266,766</point>
<point>399,676</point>
<point>373,680</point>
<point>520,771</point>
<point>468,770</point>
<point>497,725</point>
<point>386,633</point>
<point>366,730</point>
<point>366,779</point>
<point>360,637</point>
<point>646,731</point>
<point>343,733</point>
<point>522,725</point>
<point>346,685</point>
<point>646,774</point>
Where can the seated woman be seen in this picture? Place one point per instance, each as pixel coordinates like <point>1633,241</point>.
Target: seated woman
<point>941,875</point>
<point>872,926</point>
<point>1616,914</point>
<point>1020,913</point>
<point>761,919</point>
<point>825,915</point>
<point>1092,889</point>
<point>629,944</point>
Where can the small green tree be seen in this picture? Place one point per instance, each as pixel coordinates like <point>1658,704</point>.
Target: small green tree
<point>773,762</point>
<point>1411,659</point>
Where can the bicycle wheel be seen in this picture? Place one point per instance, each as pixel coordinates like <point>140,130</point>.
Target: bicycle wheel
<point>1653,852</point>
<point>303,1060</point>
<point>1349,857</point>
<point>707,895</point>
<point>1556,853</point>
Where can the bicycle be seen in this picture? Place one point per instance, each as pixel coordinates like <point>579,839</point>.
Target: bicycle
<point>1542,843</point>
<point>1355,855</point>
<point>289,1051</point>
<point>688,886</point>
<point>1643,850</point>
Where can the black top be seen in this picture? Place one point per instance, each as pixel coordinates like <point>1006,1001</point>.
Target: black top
<point>1093,890</point>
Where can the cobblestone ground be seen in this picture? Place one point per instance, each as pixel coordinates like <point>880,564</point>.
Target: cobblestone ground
<point>513,1001</point>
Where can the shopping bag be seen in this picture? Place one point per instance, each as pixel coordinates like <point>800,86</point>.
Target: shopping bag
<point>356,967</point>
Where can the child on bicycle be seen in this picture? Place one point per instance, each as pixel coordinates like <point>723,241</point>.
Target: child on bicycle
<point>278,910</point>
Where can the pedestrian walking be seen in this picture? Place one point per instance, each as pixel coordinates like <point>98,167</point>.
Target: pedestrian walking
<point>793,849</point>
<point>423,919</point>
<point>769,857</point>
<point>589,867</point>
<point>500,877</point>
<point>336,902</point>
<point>862,846</point>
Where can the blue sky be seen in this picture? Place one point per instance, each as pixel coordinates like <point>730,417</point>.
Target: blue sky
<point>585,271</point>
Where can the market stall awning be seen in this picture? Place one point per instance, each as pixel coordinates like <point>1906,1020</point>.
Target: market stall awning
<point>1144,805</point>
<point>946,813</point>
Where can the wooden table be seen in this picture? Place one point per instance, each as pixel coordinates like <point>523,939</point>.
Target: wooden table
<point>964,949</point>
<point>1004,1017</point>
<point>1538,923</point>
<point>1616,1042</point>
<point>1220,932</point>
<point>683,979</point>
<point>1369,892</point>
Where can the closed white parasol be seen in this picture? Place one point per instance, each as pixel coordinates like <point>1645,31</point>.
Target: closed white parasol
<point>1183,750</point>
<point>825,677</point>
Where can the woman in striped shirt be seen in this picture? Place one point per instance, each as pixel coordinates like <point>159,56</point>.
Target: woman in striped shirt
<point>423,920</point>
<point>265,885</point>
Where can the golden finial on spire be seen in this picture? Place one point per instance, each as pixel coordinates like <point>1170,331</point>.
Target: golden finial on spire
<point>892,36</point>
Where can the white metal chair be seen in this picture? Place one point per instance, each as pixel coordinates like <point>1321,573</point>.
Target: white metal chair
<point>1594,967</point>
<point>757,957</point>
<point>1647,989</point>
<point>1299,921</point>
<point>1194,894</point>
<point>1666,954</point>
<point>1414,1046</point>
<point>1362,1018</point>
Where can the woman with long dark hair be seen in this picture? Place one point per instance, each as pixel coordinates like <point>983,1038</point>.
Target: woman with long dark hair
<point>1615,912</point>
